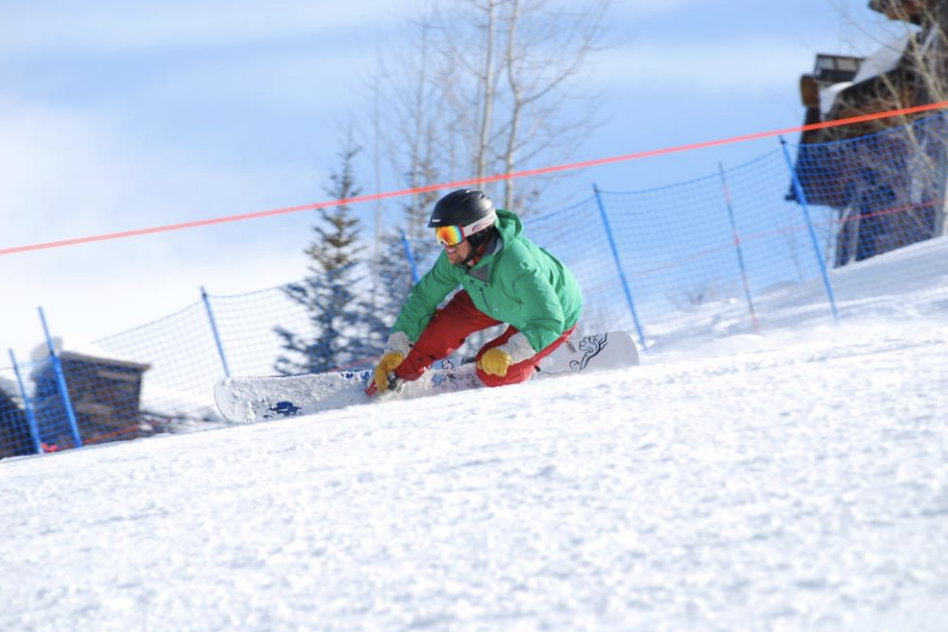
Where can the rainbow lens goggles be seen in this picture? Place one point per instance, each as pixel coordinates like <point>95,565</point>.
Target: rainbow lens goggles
<point>449,235</point>
<point>453,235</point>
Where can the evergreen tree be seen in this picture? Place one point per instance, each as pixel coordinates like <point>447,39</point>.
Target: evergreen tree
<point>345,328</point>
<point>393,268</point>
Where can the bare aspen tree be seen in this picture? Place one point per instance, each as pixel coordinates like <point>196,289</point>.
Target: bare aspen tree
<point>547,48</point>
<point>924,80</point>
<point>927,61</point>
<point>516,96</point>
<point>484,88</point>
<point>512,69</point>
<point>488,84</point>
<point>414,123</point>
<point>410,127</point>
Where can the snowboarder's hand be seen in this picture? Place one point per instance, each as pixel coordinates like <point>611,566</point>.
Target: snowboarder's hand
<point>495,362</point>
<point>386,365</point>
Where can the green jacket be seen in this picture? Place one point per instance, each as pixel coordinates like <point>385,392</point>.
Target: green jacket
<point>520,284</point>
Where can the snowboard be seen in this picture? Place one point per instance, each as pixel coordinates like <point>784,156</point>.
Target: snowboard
<point>253,399</point>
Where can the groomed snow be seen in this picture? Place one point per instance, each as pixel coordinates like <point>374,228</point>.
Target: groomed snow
<point>795,480</point>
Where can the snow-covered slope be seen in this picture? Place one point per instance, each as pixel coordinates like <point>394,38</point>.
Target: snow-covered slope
<point>796,480</point>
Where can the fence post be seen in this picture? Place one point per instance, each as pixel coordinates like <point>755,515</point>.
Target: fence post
<point>411,258</point>
<point>801,198</point>
<point>27,406</point>
<point>217,337</point>
<point>737,246</point>
<point>61,382</point>
<point>615,256</point>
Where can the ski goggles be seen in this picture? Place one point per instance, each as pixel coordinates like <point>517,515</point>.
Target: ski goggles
<point>449,235</point>
<point>453,235</point>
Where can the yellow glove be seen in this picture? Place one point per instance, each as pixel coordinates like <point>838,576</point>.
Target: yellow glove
<point>495,362</point>
<point>386,365</point>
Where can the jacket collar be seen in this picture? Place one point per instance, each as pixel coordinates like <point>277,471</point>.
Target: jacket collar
<point>481,270</point>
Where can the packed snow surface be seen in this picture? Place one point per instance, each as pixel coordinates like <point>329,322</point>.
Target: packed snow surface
<point>793,480</point>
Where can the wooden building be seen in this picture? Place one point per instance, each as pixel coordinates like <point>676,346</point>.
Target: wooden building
<point>887,181</point>
<point>105,396</point>
<point>15,437</point>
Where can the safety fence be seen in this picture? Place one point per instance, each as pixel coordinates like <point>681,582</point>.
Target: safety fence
<point>746,249</point>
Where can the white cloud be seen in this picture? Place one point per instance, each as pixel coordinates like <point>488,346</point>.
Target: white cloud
<point>58,172</point>
<point>737,68</point>
<point>282,82</point>
<point>649,8</point>
<point>69,174</point>
<point>115,25</point>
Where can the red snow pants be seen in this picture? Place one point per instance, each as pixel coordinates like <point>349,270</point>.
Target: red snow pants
<point>450,327</point>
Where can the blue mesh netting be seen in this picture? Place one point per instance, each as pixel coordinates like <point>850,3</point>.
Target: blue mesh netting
<point>887,188</point>
<point>733,252</point>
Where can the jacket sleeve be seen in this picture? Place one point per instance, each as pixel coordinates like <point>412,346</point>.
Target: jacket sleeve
<point>425,297</point>
<point>542,311</point>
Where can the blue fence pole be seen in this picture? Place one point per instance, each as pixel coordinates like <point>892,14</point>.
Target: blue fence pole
<point>737,246</point>
<point>217,337</point>
<point>801,198</point>
<point>61,382</point>
<point>411,258</point>
<point>27,406</point>
<point>615,256</point>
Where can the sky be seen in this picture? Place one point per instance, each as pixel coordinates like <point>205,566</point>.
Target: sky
<point>796,480</point>
<point>118,116</point>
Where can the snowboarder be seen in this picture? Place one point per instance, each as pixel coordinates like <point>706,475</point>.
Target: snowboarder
<point>505,277</point>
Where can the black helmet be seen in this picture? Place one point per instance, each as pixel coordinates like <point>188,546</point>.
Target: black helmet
<point>468,209</point>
